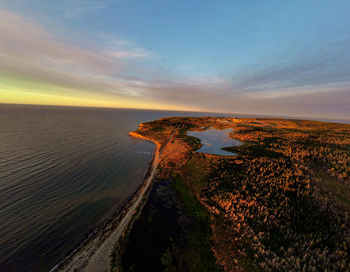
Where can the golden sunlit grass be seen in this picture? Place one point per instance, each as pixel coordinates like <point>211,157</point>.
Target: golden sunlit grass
<point>282,204</point>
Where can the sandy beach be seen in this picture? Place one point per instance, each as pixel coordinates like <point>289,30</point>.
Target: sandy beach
<point>94,253</point>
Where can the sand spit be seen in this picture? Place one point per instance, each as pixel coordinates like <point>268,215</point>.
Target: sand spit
<point>94,253</point>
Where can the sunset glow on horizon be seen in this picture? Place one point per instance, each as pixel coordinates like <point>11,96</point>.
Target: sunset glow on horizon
<point>13,96</point>
<point>271,57</point>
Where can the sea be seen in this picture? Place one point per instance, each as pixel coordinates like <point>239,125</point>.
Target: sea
<point>64,171</point>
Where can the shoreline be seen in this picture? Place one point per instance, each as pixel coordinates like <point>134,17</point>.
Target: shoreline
<point>93,254</point>
<point>288,183</point>
<point>232,201</point>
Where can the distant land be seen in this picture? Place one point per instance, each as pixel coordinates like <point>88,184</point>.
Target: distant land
<point>281,202</point>
<point>174,136</point>
<point>189,113</point>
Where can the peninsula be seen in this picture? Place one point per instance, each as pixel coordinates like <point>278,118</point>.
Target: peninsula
<point>281,202</point>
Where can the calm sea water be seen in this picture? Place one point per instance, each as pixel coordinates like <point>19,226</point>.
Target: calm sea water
<point>63,172</point>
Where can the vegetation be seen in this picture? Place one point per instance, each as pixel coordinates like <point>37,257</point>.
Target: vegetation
<point>281,205</point>
<point>197,254</point>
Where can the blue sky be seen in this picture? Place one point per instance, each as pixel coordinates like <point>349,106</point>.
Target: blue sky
<point>263,57</point>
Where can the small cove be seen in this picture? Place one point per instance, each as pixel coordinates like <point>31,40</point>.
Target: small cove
<point>213,140</point>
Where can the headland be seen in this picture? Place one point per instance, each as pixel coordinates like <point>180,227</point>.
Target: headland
<point>282,203</point>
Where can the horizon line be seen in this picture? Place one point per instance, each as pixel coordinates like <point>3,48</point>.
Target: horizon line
<point>257,115</point>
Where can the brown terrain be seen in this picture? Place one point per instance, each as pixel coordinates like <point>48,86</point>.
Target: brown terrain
<point>282,204</point>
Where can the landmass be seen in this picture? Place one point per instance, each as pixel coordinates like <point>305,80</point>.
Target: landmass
<point>93,254</point>
<point>281,203</point>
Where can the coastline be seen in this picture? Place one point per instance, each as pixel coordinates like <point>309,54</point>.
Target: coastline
<point>285,167</point>
<point>93,254</point>
<point>214,203</point>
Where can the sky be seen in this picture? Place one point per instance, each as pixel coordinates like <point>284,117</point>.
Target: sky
<point>256,57</point>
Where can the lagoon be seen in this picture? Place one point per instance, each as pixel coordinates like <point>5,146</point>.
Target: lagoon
<point>213,140</point>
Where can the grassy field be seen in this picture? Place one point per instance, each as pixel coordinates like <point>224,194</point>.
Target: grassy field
<point>281,205</point>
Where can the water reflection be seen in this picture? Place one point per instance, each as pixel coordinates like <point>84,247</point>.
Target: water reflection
<point>213,140</point>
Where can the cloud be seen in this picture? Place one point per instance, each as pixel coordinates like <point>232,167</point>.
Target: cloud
<point>30,51</point>
<point>314,85</point>
<point>315,67</point>
<point>128,54</point>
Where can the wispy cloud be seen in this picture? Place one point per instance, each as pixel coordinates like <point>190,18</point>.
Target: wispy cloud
<point>313,68</point>
<point>29,50</point>
<point>308,85</point>
<point>128,54</point>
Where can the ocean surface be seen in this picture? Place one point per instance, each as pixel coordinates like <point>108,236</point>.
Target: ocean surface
<point>63,172</point>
